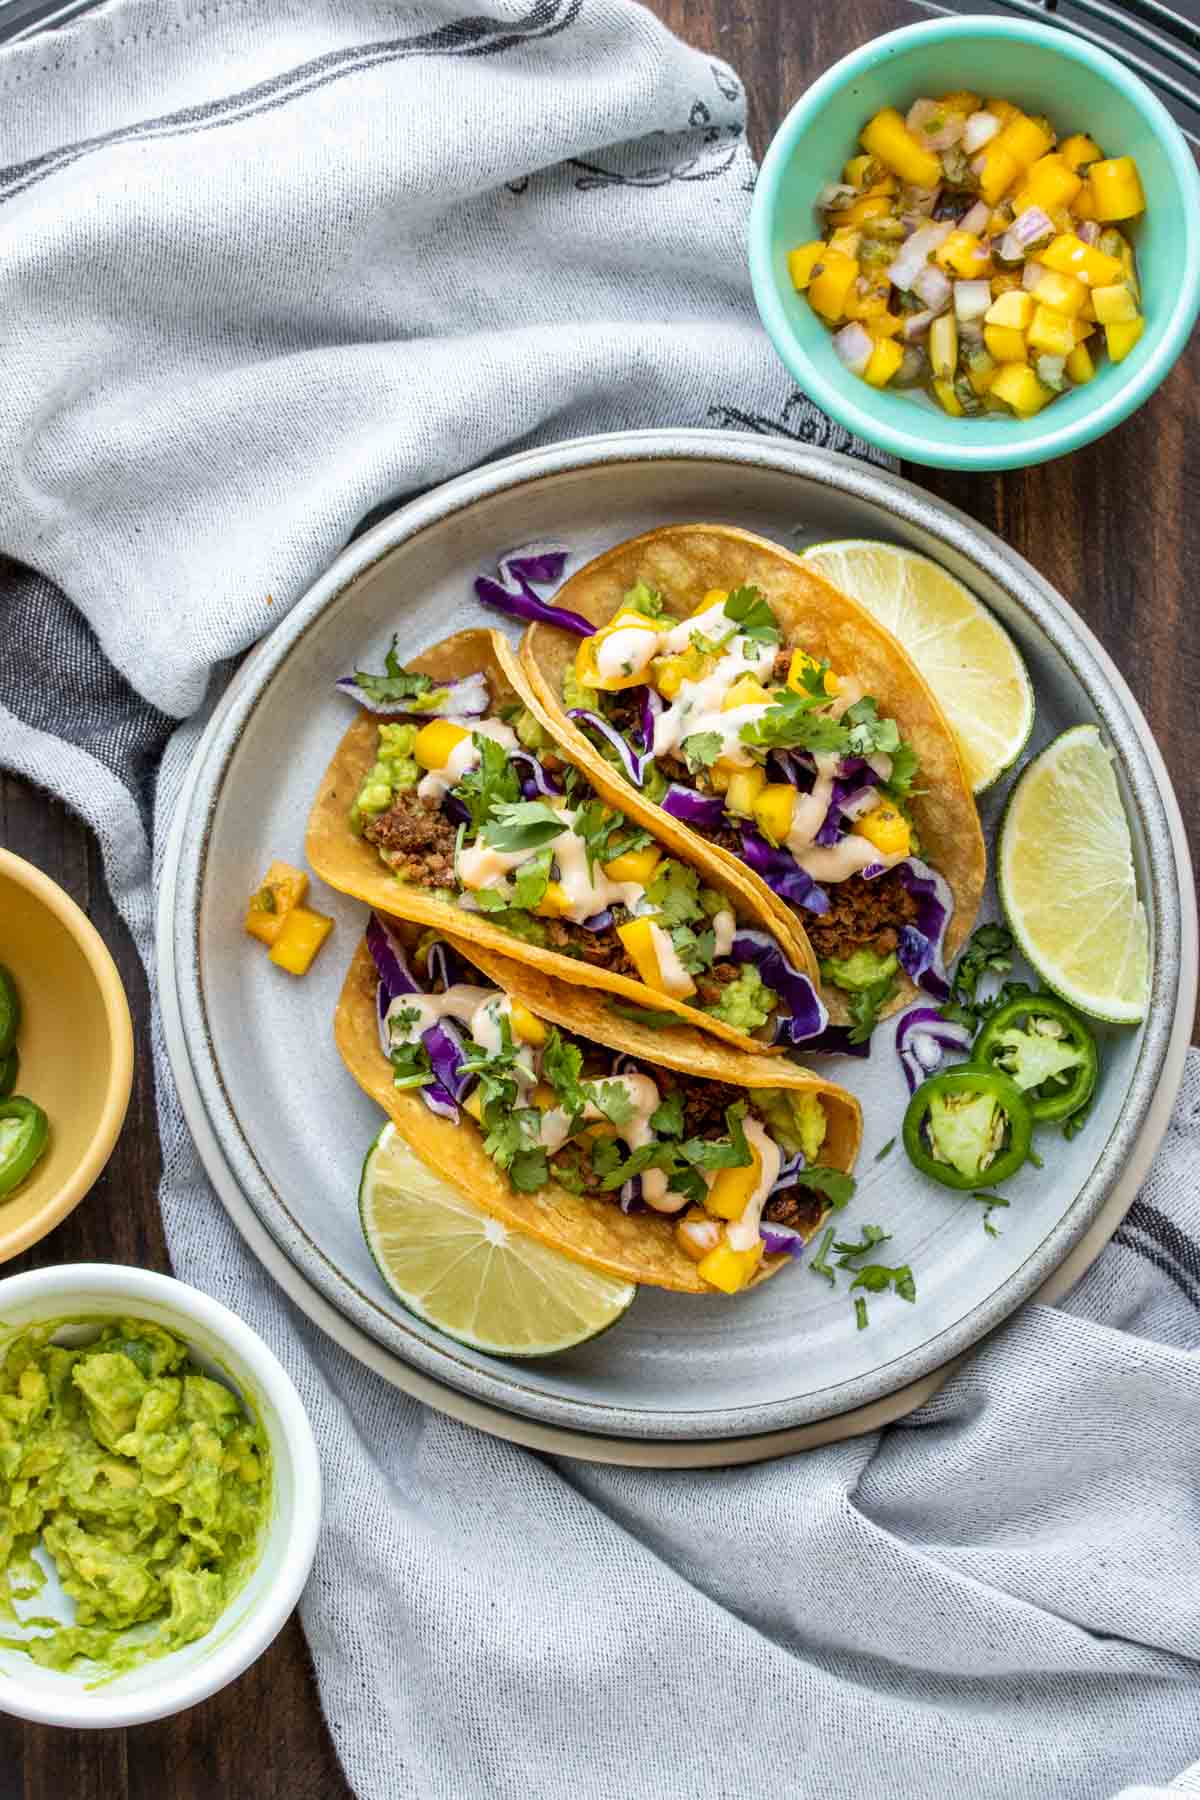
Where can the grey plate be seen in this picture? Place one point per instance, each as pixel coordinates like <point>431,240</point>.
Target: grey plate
<point>292,1127</point>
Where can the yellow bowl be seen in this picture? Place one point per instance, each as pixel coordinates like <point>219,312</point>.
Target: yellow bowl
<point>75,1046</point>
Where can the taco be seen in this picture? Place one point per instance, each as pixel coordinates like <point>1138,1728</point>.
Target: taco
<point>475,823</point>
<point>696,1169</point>
<point>734,691</point>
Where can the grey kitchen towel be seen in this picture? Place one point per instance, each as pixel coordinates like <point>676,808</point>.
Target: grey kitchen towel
<point>268,267</point>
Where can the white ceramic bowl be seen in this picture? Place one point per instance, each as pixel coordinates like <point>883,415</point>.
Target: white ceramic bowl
<point>221,1342</point>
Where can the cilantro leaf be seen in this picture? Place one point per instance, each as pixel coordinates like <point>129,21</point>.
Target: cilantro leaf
<point>612,1099</point>
<point>867,731</point>
<point>860,1313</point>
<point>877,1278</point>
<point>990,1202</point>
<point>701,750</point>
<point>675,894</point>
<point>562,1064</point>
<point>411,1065</point>
<point>872,1237</point>
<point>516,825</point>
<point>819,1265</point>
<point>396,684</point>
<point>835,1184</point>
<point>905,763</point>
<point>705,1153</point>
<point>667,1118</point>
<point>748,608</point>
<point>643,1015</point>
<point>530,881</point>
<point>886,1151</point>
<point>595,823</point>
<point>795,722</point>
<point>695,949</point>
<point>529,1170</point>
<point>493,782</point>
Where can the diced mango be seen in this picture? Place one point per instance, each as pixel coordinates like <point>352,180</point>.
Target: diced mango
<point>1000,170</point>
<point>857,170</point>
<point>1122,336</point>
<point>884,325</point>
<point>800,663</point>
<point>946,397</point>
<point>670,673</point>
<point>543,1097</point>
<point>1071,256</point>
<point>1050,333</point>
<point>1004,110</point>
<point>721,774</point>
<point>1049,184</point>
<point>304,931</point>
<point>981,370</point>
<point>713,597</point>
<point>435,742</point>
<point>283,887</point>
<point>637,935</point>
<point>635,865</point>
<point>846,240</point>
<point>832,280</point>
<point>1114,305</point>
<point>963,254</point>
<point>943,345</point>
<point>555,903</point>
<point>1019,388</point>
<point>961,101</point>
<point>1082,330</point>
<point>1024,139</point>
<point>1004,344</point>
<point>727,1197</point>
<point>473,1105</point>
<point>871,206</point>
<point>868,305</point>
<point>747,690</point>
<point>1078,150</point>
<point>1084,204</point>
<point>1117,188</point>
<point>1064,293</point>
<point>1004,282</point>
<point>745,785</point>
<point>730,1270</point>
<point>803,261</point>
<point>885,360</point>
<point>1080,366</point>
<point>773,810</point>
<point>1014,309</point>
<point>886,828</point>
<point>526,1025</point>
<point>888,138</point>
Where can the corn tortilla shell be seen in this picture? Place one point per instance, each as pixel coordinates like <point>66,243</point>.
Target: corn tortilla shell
<point>352,865</point>
<point>637,1247</point>
<point>687,561</point>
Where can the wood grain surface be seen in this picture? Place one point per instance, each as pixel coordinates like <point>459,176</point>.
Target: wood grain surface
<point>1115,528</point>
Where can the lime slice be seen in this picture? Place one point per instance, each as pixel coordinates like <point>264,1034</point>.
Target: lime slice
<point>460,1269</point>
<point>1066,877</point>
<point>969,661</point>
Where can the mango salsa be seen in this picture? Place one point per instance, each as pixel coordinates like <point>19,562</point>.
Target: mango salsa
<point>968,250</point>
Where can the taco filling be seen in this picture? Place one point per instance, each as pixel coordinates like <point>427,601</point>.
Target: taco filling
<point>779,759</point>
<point>482,812</point>
<point>738,1169</point>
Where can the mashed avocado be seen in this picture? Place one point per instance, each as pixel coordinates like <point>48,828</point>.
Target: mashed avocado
<point>797,1120</point>
<point>394,772</point>
<point>745,1003</point>
<point>859,971</point>
<point>144,1481</point>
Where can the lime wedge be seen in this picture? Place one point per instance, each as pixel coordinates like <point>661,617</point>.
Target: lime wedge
<point>469,1274</point>
<point>969,661</point>
<point>1065,871</point>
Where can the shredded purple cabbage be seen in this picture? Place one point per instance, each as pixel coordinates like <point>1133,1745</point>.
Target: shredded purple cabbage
<point>703,812</point>
<point>631,1195</point>
<point>789,1168</point>
<point>922,1038</point>
<point>599,921</point>
<point>395,980</point>
<point>802,1014</point>
<point>921,945</point>
<point>390,960</point>
<point>782,873</point>
<point>780,1240</point>
<point>633,764</point>
<point>652,706</point>
<point>511,590</point>
<point>537,781</point>
<point>446,967</point>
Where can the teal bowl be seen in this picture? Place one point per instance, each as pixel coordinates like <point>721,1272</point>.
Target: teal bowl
<point>1042,69</point>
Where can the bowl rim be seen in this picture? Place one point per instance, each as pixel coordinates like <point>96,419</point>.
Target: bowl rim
<point>910,444</point>
<point>120,1036</point>
<point>102,1708</point>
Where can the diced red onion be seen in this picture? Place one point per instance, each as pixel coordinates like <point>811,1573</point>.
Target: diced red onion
<point>1052,372</point>
<point>979,130</point>
<point>1031,274</point>
<point>1088,231</point>
<point>934,287</point>
<point>465,699</point>
<point>975,219</point>
<point>971,299</point>
<point>921,115</point>
<point>922,1038</point>
<point>919,201</point>
<point>915,252</point>
<point>1031,227</point>
<point>834,194</point>
<point>916,325</point>
<point>854,346</point>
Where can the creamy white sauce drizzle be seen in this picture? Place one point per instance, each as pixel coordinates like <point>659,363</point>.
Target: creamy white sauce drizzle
<point>587,890</point>
<point>849,857</point>
<point>675,978</point>
<point>713,623</point>
<point>627,651</point>
<point>724,926</point>
<point>697,707</point>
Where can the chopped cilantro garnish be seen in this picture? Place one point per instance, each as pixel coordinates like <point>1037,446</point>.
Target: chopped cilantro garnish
<point>877,1278</point>
<point>675,894</point>
<point>989,952</point>
<point>990,1202</point>
<point>872,1237</point>
<point>835,1184</point>
<point>865,1005</point>
<point>860,1313</point>
<point>516,825</point>
<point>562,1064</point>
<point>868,733</point>
<point>819,1265</point>
<point>492,783</point>
<point>748,609</point>
<point>795,722</point>
<point>667,1118</point>
<point>701,750</point>
<point>612,1099</point>
<point>905,763</point>
<point>886,1151</point>
<point>396,684</point>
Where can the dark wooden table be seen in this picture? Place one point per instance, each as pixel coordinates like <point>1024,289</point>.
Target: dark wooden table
<point>1115,528</point>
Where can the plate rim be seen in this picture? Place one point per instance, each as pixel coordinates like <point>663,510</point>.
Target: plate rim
<point>1128,1148</point>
